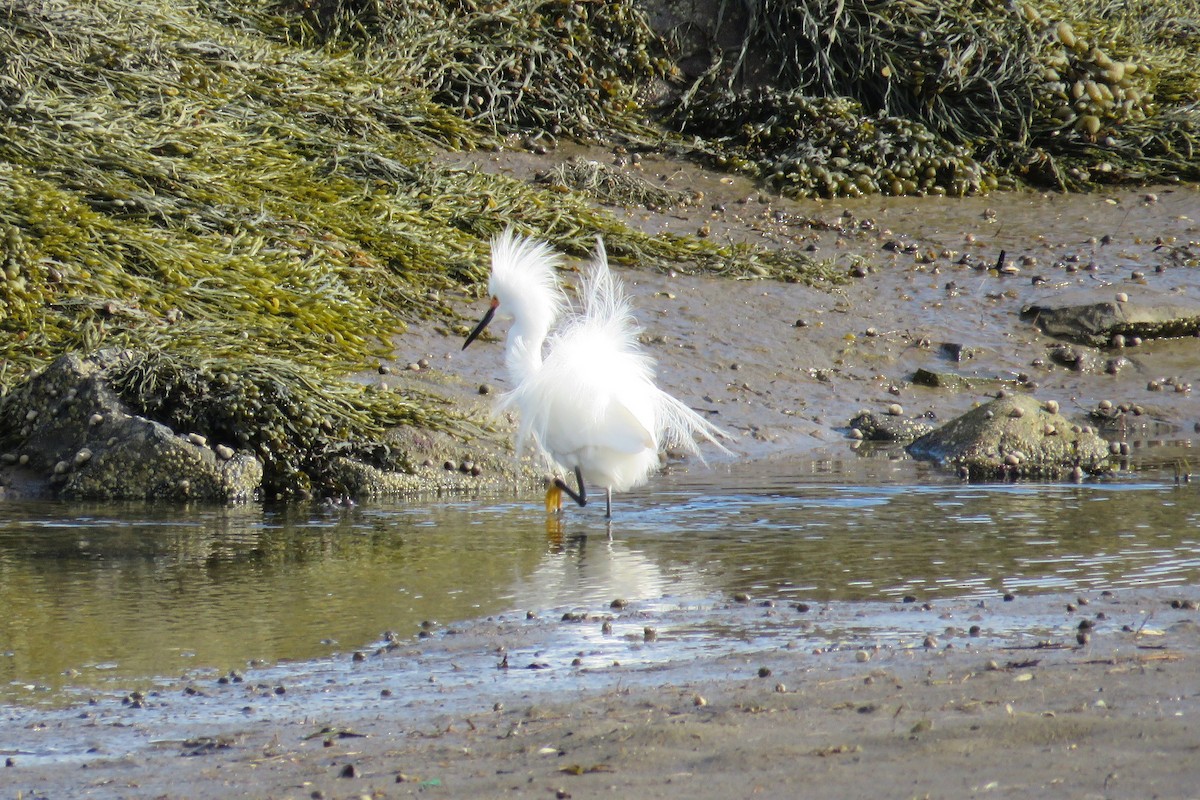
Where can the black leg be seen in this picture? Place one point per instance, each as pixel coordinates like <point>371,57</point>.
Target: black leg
<point>579,497</point>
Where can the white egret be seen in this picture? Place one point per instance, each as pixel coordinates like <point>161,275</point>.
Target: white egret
<point>591,406</point>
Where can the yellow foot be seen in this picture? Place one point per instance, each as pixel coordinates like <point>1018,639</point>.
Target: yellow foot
<point>553,499</point>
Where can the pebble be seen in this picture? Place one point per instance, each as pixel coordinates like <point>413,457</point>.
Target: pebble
<point>895,409</point>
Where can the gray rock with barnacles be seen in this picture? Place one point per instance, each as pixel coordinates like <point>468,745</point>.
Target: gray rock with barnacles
<point>71,436</point>
<point>1015,436</point>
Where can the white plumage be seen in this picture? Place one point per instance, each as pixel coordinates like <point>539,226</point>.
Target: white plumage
<point>591,406</point>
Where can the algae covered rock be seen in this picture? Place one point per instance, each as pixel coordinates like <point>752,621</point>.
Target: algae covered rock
<point>1100,323</point>
<point>1014,436</point>
<point>69,434</point>
<point>877,427</point>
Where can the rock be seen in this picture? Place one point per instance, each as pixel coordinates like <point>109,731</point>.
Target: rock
<point>1014,435</point>
<point>128,456</point>
<point>1098,323</point>
<point>957,352</point>
<point>888,427</point>
<point>953,381</point>
<point>1074,357</point>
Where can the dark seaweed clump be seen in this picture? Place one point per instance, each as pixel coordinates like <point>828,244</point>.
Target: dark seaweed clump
<point>845,97</point>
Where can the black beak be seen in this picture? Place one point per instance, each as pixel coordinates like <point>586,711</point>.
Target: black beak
<point>483,323</point>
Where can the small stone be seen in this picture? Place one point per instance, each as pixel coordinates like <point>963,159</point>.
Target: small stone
<point>1051,406</point>
<point>861,656</point>
<point>82,457</point>
<point>197,439</point>
<point>95,419</point>
<point>895,410</point>
<point>1122,297</point>
<point>224,452</point>
<point>764,672</point>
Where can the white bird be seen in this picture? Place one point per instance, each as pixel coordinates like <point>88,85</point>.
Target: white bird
<point>591,406</point>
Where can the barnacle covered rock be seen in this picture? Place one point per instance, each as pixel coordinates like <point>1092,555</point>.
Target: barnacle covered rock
<point>1014,436</point>
<point>73,436</point>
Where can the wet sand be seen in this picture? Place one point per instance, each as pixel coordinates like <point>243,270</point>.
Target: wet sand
<point>878,701</point>
<point>998,698</point>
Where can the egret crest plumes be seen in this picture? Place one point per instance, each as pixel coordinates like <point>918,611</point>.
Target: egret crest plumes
<point>590,405</point>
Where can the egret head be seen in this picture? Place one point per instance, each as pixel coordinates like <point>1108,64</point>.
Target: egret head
<point>523,286</point>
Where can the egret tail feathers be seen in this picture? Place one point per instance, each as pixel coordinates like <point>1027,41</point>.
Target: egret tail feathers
<point>680,426</point>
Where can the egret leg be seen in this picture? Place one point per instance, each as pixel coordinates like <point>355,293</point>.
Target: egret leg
<point>608,502</point>
<point>553,499</point>
<point>579,497</point>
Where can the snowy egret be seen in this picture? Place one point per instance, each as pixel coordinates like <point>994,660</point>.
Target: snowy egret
<point>591,407</point>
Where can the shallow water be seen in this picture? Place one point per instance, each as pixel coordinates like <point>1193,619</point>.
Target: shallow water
<point>95,598</point>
